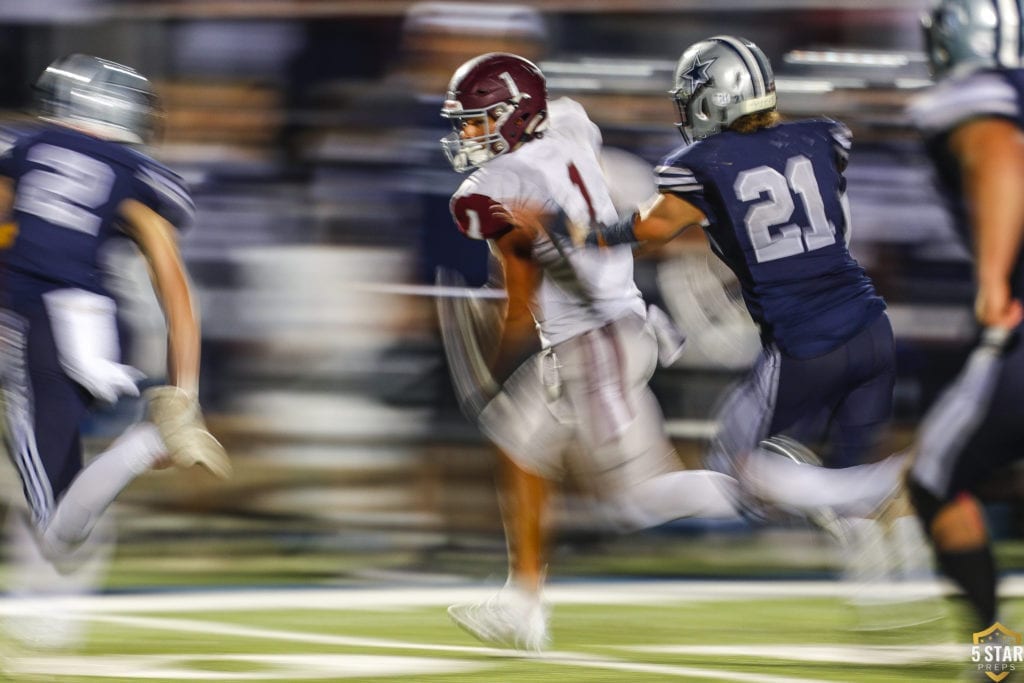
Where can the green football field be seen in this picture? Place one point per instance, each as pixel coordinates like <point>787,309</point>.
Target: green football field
<point>650,630</point>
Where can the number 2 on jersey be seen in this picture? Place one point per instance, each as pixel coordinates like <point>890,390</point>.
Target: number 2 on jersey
<point>777,210</point>
<point>67,189</point>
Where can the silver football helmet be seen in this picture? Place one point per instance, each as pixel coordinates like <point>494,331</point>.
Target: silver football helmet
<point>962,35</point>
<point>107,99</point>
<point>717,81</point>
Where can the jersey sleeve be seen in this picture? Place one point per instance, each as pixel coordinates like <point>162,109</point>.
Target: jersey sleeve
<point>503,184</point>
<point>958,100</point>
<point>165,192</point>
<point>679,174</point>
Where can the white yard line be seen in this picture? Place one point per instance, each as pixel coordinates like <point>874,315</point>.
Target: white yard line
<point>880,655</point>
<point>284,668</point>
<point>377,599</point>
<point>557,658</point>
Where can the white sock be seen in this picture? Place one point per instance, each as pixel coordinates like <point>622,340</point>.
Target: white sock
<point>850,491</point>
<point>96,486</point>
<point>676,495</point>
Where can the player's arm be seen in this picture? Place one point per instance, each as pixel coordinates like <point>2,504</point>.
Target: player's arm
<point>519,338</point>
<point>665,219</point>
<point>157,240</point>
<point>991,156</point>
<point>175,409</point>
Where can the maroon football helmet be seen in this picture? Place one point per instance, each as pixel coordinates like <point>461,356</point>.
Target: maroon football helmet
<point>507,93</point>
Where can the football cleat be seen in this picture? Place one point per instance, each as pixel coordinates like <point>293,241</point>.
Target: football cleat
<point>509,619</point>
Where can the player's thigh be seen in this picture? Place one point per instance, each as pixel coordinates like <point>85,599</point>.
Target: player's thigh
<point>529,422</point>
<point>603,371</point>
<point>641,452</point>
<point>44,409</point>
<point>744,414</point>
<point>998,438</point>
<point>852,383</point>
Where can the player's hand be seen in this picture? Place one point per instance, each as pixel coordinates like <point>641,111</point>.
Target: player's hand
<point>534,221</point>
<point>529,219</point>
<point>177,416</point>
<point>994,306</point>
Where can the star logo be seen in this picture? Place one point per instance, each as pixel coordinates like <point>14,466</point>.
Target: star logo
<point>698,74</point>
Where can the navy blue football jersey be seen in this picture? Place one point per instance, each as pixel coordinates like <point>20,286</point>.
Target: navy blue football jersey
<point>68,187</point>
<point>955,101</point>
<point>777,216</point>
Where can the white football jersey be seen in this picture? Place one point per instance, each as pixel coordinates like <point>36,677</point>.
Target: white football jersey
<point>559,171</point>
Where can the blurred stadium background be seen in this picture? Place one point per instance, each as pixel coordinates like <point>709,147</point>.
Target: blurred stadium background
<point>308,130</point>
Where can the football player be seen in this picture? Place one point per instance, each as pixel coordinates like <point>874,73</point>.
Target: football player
<point>972,123</point>
<point>771,199</point>
<point>71,185</point>
<point>589,386</point>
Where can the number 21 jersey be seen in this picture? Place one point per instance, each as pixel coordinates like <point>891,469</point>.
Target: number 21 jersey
<point>776,207</point>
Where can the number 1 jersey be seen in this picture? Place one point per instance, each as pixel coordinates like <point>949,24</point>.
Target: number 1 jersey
<point>777,216</point>
<point>68,187</point>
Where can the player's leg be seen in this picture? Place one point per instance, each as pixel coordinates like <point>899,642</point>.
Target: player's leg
<point>96,487</point>
<point>744,416</point>
<point>887,540</point>
<point>863,414</point>
<point>524,500</point>
<point>634,466</point>
<point>517,616</point>
<point>523,421</point>
<point>959,537</point>
<point>804,387</point>
<point>44,410</point>
<point>974,427</point>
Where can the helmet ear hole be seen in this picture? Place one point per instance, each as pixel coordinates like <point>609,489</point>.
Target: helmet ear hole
<point>705,110</point>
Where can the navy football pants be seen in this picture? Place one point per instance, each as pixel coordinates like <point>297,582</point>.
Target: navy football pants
<point>44,408</point>
<point>845,394</point>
